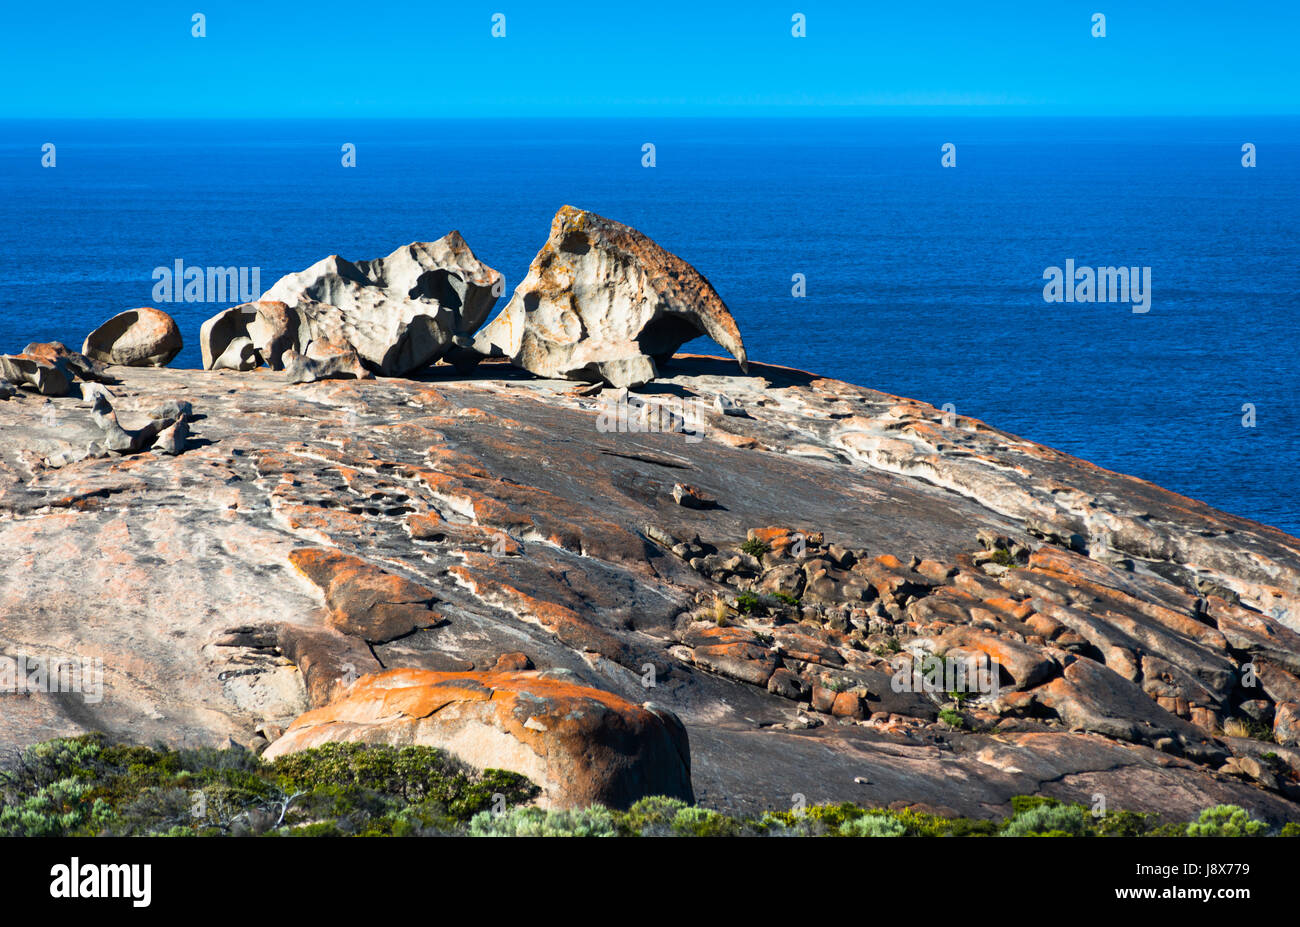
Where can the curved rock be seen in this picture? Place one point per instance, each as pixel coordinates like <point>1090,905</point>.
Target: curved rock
<point>143,337</point>
<point>580,745</point>
<point>603,302</point>
<point>400,312</point>
<point>224,340</point>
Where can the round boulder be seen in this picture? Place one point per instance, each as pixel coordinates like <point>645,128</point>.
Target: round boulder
<point>141,337</point>
<point>582,746</point>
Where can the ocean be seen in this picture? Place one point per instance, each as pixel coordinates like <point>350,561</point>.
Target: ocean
<point>919,280</point>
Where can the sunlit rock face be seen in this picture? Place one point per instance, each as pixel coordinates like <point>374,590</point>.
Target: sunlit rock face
<point>603,302</point>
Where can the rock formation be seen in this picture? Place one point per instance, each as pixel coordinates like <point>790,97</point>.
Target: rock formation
<point>313,536</point>
<point>814,589</point>
<point>143,337</point>
<point>580,745</point>
<point>603,302</point>
<point>398,313</point>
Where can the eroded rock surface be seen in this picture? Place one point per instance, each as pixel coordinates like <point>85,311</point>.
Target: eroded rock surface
<point>315,537</point>
<point>394,315</point>
<point>603,302</point>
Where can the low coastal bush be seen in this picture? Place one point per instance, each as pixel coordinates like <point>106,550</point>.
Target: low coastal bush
<point>1226,821</point>
<point>86,786</point>
<point>534,822</point>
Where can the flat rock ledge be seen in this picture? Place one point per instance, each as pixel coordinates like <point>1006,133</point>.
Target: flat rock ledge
<point>512,567</point>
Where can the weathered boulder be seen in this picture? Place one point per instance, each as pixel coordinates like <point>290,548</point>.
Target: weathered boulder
<point>81,366</point>
<point>49,378</point>
<point>603,302</point>
<point>144,337</point>
<point>400,312</point>
<point>224,341</point>
<point>580,745</point>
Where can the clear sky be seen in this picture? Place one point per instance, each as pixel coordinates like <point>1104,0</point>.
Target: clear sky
<point>267,58</point>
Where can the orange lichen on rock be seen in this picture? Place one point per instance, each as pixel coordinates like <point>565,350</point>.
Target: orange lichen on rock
<point>362,599</point>
<point>580,745</point>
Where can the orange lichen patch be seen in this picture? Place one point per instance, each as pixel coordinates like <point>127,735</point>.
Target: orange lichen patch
<point>732,651</point>
<point>362,599</point>
<point>581,745</point>
<point>426,526</point>
<point>514,508</point>
<point>1026,665</point>
<point>428,396</point>
<point>430,526</point>
<point>1013,607</point>
<point>329,522</point>
<point>740,442</point>
<point>513,662</point>
<point>1175,621</point>
<point>420,693</point>
<point>565,623</point>
<point>935,571</point>
<point>812,648</point>
<point>457,462</point>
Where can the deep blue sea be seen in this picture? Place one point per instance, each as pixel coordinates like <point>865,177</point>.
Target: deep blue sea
<point>921,280</point>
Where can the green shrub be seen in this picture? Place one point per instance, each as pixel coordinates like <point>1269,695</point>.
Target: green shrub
<point>1048,820</point>
<point>651,816</point>
<point>702,822</point>
<point>86,786</point>
<point>755,548</point>
<point>952,718</point>
<point>595,821</point>
<point>873,825</point>
<point>1004,558</point>
<point>1226,821</point>
<point>1126,824</point>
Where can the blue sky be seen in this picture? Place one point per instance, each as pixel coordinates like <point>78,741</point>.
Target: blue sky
<point>639,57</point>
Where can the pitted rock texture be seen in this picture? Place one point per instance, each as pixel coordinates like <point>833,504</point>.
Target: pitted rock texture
<point>144,337</point>
<point>580,745</point>
<point>398,313</point>
<point>603,302</point>
<point>314,534</point>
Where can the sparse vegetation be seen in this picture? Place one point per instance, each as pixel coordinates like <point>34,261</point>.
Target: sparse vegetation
<point>755,548</point>
<point>889,646</point>
<point>1004,558</point>
<point>85,786</point>
<point>952,718</point>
